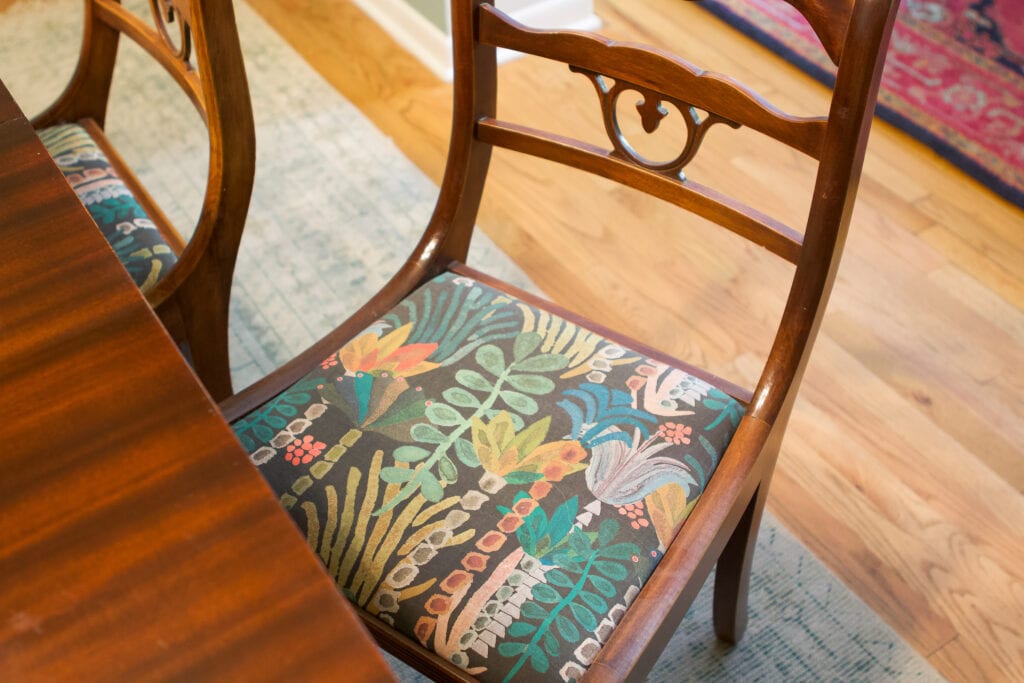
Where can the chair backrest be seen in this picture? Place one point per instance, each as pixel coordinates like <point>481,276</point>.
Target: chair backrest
<point>855,35</point>
<point>196,42</point>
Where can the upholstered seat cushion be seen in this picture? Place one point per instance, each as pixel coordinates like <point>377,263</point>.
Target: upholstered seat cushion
<point>490,479</point>
<point>136,240</point>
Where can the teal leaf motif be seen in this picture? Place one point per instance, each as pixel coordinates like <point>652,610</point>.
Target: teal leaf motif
<point>430,487</point>
<point>458,396</point>
<point>410,453</point>
<point>523,478</point>
<point>533,611</point>
<point>556,577</point>
<point>584,616</point>
<point>427,433</point>
<point>532,384</point>
<point>562,594</point>
<point>525,344</point>
<point>538,660</point>
<point>545,362</point>
<point>473,380</point>
<point>520,402</point>
<point>619,551</point>
<point>613,570</point>
<point>545,594</point>
<point>567,629</point>
<point>443,415</point>
<point>520,629</point>
<point>466,453</point>
<point>603,585</point>
<point>595,602</point>
<point>507,649</point>
<point>491,359</point>
<point>550,644</point>
<point>446,468</point>
<point>396,475</point>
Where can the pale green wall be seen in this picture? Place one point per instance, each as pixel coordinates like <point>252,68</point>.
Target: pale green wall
<point>433,10</point>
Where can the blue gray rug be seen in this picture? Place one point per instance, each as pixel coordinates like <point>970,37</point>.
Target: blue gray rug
<point>336,208</point>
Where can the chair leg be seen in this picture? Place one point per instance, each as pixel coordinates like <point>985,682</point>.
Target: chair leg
<point>210,356</point>
<point>202,337</point>
<point>732,576</point>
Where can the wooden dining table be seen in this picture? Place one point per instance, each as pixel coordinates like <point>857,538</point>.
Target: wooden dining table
<point>137,542</point>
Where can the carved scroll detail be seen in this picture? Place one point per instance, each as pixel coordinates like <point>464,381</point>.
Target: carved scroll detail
<point>652,111</point>
<point>167,12</point>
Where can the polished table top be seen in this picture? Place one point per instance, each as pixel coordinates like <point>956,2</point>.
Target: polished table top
<point>136,540</point>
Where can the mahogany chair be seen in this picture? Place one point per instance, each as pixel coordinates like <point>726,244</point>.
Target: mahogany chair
<point>508,491</point>
<point>188,283</point>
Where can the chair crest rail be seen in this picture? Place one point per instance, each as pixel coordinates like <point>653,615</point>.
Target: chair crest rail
<point>658,75</point>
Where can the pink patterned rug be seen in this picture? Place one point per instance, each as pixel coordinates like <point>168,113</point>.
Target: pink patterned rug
<point>954,76</point>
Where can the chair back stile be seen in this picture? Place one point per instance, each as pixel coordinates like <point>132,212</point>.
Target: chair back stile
<point>196,43</point>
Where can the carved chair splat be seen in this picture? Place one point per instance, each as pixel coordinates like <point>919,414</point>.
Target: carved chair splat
<point>188,282</point>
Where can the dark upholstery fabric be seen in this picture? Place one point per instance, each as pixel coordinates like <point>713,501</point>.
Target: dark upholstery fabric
<point>490,479</point>
<point>136,240</point>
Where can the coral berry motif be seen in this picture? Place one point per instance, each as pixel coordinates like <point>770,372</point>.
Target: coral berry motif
<point>635,513</point>
<point>678,434</point>
<point>302,451</point>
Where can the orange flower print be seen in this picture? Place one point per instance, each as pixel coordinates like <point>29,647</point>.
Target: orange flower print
<point>678,434</point>
<point>302,451</point>
<point>373,354</point>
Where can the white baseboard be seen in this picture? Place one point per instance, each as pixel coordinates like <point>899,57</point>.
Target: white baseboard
<point>432,46</point>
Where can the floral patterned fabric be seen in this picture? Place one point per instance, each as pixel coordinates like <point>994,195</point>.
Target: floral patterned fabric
<point>490,479</point>
<point>134,237</point>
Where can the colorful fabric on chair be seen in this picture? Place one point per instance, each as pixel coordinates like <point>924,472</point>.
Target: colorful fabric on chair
<point>136,240</point>
<point>490,479</point>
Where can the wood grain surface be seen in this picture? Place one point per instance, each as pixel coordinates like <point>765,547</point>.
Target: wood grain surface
<point>903,468</point>
<point>136,540</point>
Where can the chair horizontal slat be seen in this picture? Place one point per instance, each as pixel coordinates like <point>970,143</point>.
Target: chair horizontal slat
<point>757,227</point>
<point>661,72</point>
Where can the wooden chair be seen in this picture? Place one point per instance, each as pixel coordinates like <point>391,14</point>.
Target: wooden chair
<point>502,486</point>
<point>187,283</point>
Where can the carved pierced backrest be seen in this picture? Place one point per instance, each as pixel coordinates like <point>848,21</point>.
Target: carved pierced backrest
<point>195,41</point>
<point>855,34</point>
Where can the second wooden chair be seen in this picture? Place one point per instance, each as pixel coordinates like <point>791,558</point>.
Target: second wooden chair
<point>188,283</point>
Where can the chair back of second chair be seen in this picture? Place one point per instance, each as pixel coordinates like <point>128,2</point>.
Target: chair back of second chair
<point>187,281</point>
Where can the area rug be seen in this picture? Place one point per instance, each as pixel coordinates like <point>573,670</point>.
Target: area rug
<point>954,76</point>
<point>335,209</point>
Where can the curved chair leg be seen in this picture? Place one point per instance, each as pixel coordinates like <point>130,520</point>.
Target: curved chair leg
<point>732,576</point>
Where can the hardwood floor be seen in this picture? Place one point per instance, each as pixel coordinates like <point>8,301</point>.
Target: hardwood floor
<point>903,467</point>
